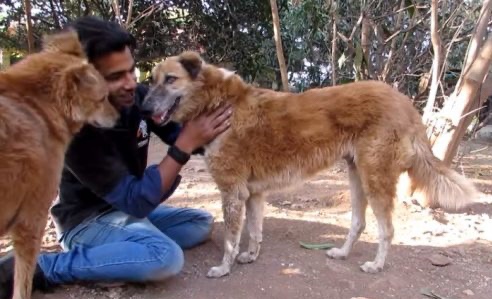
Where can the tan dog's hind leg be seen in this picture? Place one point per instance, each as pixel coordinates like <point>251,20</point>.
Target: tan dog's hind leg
<point>359,206</point>
<point>233,203</point>
<point>27,242</point>
<point>385,227</point>
<point>254,219</point>
<point>379,180</point>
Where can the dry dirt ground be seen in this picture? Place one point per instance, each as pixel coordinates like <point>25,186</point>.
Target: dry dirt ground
<point>319,211</point>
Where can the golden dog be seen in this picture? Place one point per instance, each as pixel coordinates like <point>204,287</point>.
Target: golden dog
<point>279,138</point>
<point>44,100</point>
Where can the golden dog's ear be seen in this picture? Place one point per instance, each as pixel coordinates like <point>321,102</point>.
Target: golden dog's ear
<point>64,42</point>
<point>84,75</point>
<point>192,62</point>
<point>81,77</point>
<point>79,81</point>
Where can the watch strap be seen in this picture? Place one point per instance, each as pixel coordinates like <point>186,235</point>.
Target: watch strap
<point>178,155</point>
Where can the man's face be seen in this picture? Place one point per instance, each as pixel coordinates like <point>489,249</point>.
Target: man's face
<point>118,68</point>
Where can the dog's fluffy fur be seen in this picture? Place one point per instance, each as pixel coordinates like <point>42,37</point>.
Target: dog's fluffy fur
<point>44,100</point>
<point>279,138</point>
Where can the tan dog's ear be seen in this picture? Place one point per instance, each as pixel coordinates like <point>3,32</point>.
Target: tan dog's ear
<point>65,42</point>
<point>192,62</point>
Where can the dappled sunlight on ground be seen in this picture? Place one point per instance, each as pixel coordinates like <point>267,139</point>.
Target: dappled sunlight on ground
<point>318,211</point>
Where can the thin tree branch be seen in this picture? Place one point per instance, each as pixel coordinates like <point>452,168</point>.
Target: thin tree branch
<point>354,29</point>
<point>334,45</point>
<point>436,64</point>
<point>400,31</point>
<point>389,61</point>
<point>116,9</point>
<point>130,11</point>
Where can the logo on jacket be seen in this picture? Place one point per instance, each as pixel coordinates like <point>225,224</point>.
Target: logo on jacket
<point>142,134</point>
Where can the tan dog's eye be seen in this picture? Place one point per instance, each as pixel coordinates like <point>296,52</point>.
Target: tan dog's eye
<point>170,79</point>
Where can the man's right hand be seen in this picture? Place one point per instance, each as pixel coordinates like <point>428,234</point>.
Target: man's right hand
<point>203,129</point>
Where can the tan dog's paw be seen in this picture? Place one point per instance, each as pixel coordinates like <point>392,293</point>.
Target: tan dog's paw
<point>246,258</point>
<point>371,267</point>
<point>336,253</point>
<point>219,271</point>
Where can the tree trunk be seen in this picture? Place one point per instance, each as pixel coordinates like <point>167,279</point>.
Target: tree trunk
<point>456,115</point>
<point>436,64</point>
<point>477,39</point>
<point>334,45</point>
<point>30,36</point>
<point>278,45</point>
<point>4,59</point>
<point>365,42</point>
<point>457,111</point>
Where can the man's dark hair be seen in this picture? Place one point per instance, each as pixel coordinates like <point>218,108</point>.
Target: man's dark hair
<point>99,37</point>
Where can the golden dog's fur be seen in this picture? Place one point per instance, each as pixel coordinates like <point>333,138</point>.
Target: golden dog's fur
<point>279,138</point>
<point>44,100</point>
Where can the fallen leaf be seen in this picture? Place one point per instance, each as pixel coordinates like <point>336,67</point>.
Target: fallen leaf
<point>431,294</point>
<point>316,246</point>
<point>291,271</point>
<point>439,260</point>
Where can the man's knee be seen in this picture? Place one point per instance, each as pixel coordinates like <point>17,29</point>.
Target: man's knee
<point>206,219</point>
<point>206,222</point>
<point>169,262</point>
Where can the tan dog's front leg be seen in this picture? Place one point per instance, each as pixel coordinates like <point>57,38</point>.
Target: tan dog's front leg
<point>233,208</point>
<point>254,219</point>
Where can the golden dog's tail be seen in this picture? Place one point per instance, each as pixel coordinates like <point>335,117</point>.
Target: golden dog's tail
<point>439,185</point>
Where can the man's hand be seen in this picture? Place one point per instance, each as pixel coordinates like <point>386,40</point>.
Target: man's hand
<point>194,134</point>
<point>203,129</point>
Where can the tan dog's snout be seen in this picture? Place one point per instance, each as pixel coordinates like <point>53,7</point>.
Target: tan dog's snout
<point>150,100</point>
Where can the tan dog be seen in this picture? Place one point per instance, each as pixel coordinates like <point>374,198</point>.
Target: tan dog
<point>44,100</point>
<point>277,139</point>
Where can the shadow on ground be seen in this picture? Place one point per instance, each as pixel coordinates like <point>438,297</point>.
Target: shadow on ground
<point>285,270</point>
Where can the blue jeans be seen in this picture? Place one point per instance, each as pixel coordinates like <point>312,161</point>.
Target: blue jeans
<point>116,247</point>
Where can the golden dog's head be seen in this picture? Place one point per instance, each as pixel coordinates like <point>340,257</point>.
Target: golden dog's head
<point>184,86</point>
<point>80,91</point>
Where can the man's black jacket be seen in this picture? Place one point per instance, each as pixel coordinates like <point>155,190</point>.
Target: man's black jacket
<point>106,169</point>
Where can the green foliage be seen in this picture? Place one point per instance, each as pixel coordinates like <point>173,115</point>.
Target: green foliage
<point>238,34</point>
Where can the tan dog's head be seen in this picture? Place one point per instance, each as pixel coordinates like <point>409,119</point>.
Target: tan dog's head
<point>183,86</point>
<point>80,91</point>
<point>172,81</point>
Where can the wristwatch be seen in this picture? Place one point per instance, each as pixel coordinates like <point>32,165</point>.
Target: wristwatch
<point>178,155</point>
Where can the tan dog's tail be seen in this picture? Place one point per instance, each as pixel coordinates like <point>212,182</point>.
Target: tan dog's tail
<point>439,185</point>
